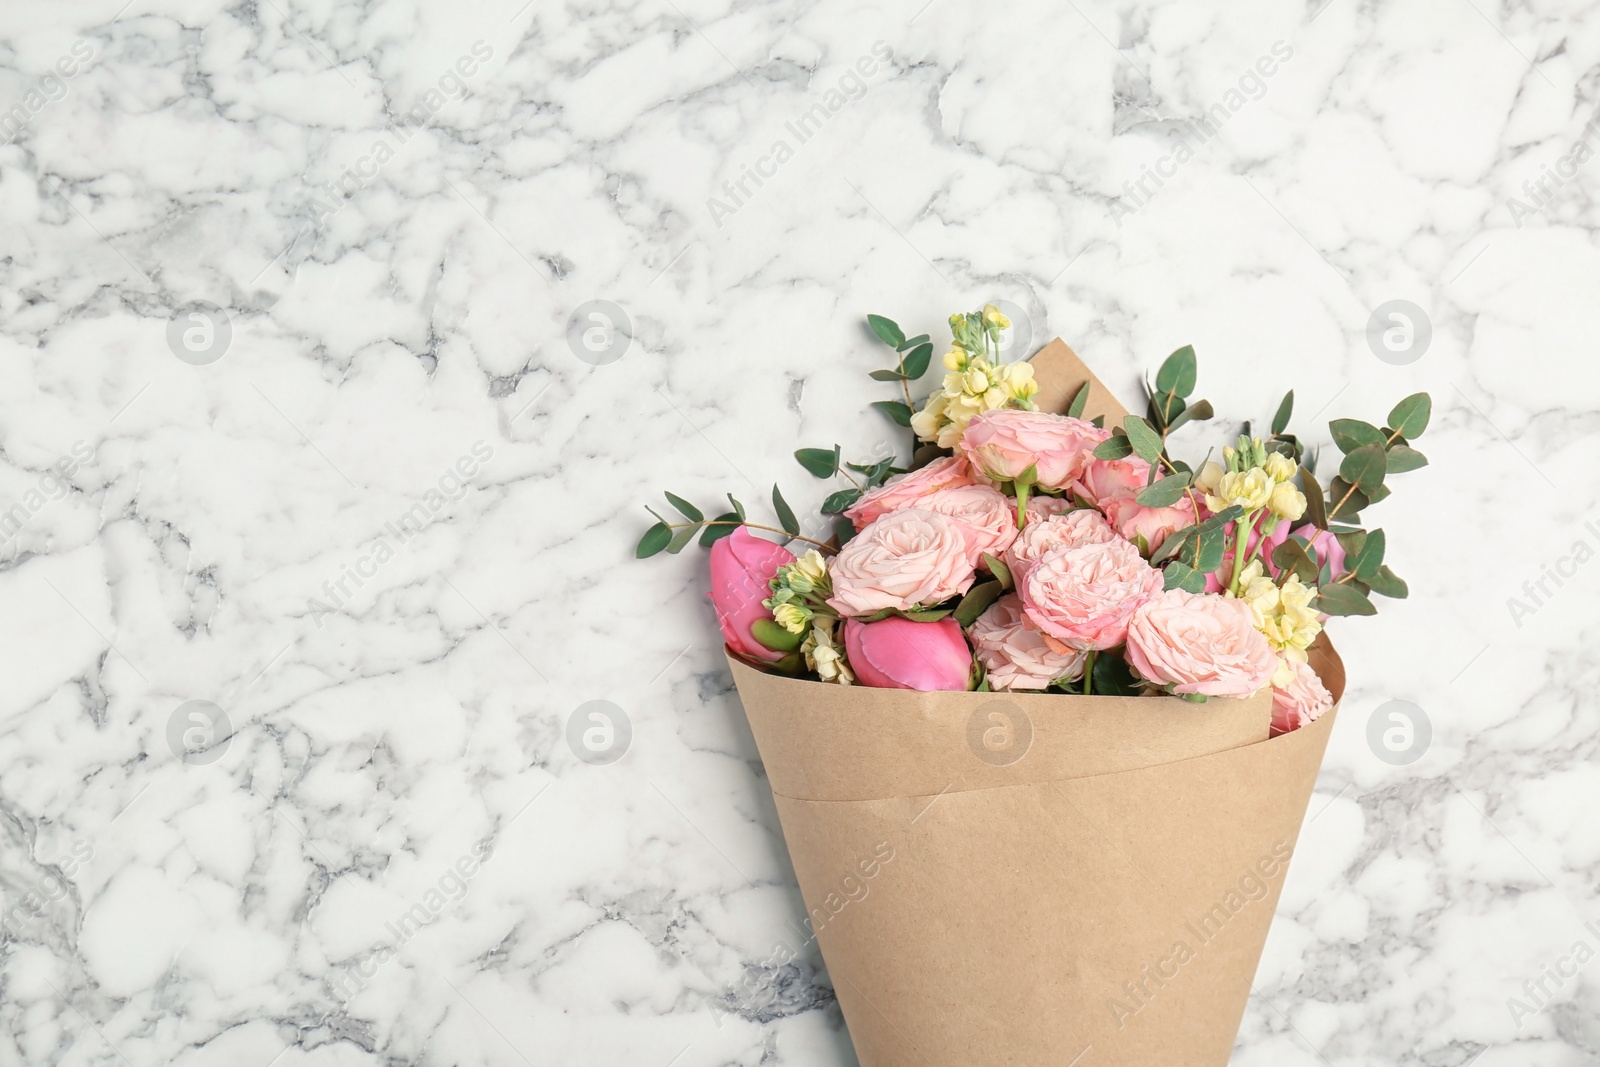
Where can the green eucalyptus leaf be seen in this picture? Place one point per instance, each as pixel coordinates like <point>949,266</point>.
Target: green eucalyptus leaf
<point>786,517</point>
<point>1208,556</point>
<point>1403,458</point>
<point>1370,557</point>
<point>900,413</point>
<point>1340,599</point>
<point>1174,544</point>
<point>1411,415</point>
<point>1384,582</point>
<point>1112,678</point>
<point>1178,372</point>
<point>1178,575</point>
<point>654,540</point>
<point>682,537</point>
<point>912,342</point>
<point>1165,408</point>
<point>928,615</point>
<point>916,361</point>
<point>1114,447</point>
<point>1316,506</point>
<point>718,528</point>
<point>1198,411</point>
<point>688,510</point>
<point>1079,402</point>
<point>1280,421</point>
<point>1365,467</point>
<point>1164,493</point>
<point>1351,434</point>
<point>837,502</point>
<point>821,462</point>
<point>888,376</point>
<point>843,530</point>
<point>1098,422</point>
<point>737,507</point>
<point>1292,557</point>
<point>1145,440</point>
<point>887,330</point>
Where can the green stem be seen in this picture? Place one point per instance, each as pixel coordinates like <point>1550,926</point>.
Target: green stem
<point>1022,503</point>
<point>1241,535</point>
<point>1088,673</point>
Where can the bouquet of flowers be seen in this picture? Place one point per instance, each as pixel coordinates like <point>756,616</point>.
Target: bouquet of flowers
<point>1062,694</point>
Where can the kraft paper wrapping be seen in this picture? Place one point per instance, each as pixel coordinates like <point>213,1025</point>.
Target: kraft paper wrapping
<point>998,878</point>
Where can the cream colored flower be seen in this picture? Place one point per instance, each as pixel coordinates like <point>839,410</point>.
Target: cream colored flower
<point>812,567</point>
<point>955,359</point>
<point>1287,501</point>
<point>1283,613</point>
<point>1280,467</point>
<point>1210,476</point>
<point>824,656</point>
<point>792,617</point>
<point>1249,489</point>
<point>993,317</point>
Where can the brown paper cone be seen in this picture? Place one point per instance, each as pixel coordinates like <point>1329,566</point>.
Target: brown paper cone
<point>1046,909</point>
<point>999,878</point>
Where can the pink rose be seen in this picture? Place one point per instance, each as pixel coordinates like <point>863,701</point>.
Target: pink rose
<point>988,514</point>
<point>1301,702</point>
<point>1001,444</point>
<point>1130,518</point>
<point>1042,507</point>
<point>741,567</point>
<point>1014,653</point>
<point>908,490</point>
<point>1083,597</point>
<point>1072,530</point>
<point>905,558</point>
<point>896,653</point>
<point>1200,643</point>
<point>1105,479</point>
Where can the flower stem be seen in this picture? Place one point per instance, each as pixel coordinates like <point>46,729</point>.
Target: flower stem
<point>1022,503</point>
<point>1088,673</point>
<point>1241,534</point>
<point>823,545</point>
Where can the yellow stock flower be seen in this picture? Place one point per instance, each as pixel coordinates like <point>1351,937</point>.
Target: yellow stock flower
<point>811,567</point>
<point>992,316</point>
<point>1287,501</point>
<point>792,617</point>
<point>1249,489</point>
<point>1279,466</point>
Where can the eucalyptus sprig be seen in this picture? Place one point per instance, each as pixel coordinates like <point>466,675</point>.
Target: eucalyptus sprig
<point>675,536</point>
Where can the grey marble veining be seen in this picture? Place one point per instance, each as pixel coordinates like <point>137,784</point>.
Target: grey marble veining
<point>319,486</point>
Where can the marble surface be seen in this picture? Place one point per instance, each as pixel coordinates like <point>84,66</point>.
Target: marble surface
<point>319,486</point>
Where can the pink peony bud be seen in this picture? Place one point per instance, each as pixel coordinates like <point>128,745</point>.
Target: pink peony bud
<point>741,567</point>
<point>896,653</point>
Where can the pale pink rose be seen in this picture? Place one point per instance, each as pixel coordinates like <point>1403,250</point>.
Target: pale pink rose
<point>1105,479</point>
<point>1072,530</point>
<point>1083,597</point>
<point>896,653</point>
<point>907,557</point>
<point>1130,518</point>
<point>908,490</point>
<point>1200,643</point>
<point>1301,702</point>
<point>988,514</point>
<point>1042,507</point>
<point>1001,444</point>
<point>1015,654</point>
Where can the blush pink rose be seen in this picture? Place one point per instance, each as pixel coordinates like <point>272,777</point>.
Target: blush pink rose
<point>1083,597</point>
<point>896,653</point>
<point>1301,702</point>
<point>908,490</point>
<point>1130,518</point>
<point>1200,643</point>
<point>1105,479</point>
<point>1071,530</point>
<point>1001,444</point>
<point>988,514</point>
<point>1014,654</point>
<point>741,567</point>
<point>1042,507</point>
<point>905,558</point>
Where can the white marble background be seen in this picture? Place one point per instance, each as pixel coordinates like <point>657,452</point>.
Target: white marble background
<point>159,911</point>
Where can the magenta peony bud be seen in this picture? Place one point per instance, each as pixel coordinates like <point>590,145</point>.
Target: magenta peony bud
<point>896,653</point>
<point>741,567</point>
